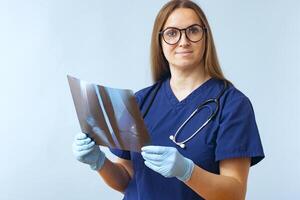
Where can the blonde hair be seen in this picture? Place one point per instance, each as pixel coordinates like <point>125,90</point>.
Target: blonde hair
<point>159,64</point>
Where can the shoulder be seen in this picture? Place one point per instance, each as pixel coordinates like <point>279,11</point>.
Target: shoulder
<point>234,100</point>
<point>141,94</point>
<point>233,94</point>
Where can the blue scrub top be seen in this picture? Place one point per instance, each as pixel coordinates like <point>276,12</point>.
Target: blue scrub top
<point>232,133</point>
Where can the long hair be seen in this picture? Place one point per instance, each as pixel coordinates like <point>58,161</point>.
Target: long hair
<point>159,65</point>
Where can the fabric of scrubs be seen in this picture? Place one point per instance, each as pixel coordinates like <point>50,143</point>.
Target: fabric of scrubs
<point>232,133</point>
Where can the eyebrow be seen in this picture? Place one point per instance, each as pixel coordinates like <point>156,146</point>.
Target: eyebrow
<point>182,28</point>
<point>174,26</point>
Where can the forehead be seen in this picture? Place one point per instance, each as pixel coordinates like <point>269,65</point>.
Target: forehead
<point>182,18</point>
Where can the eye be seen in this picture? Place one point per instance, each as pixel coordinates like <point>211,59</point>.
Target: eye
<point>171,32</point>
<point>194,29</point>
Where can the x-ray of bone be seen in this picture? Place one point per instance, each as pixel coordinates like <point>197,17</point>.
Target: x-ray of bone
<point>111,117</point>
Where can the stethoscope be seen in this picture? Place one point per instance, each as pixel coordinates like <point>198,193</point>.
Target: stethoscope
<point>204,104</point>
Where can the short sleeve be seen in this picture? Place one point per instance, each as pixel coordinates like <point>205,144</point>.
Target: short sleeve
<point>238,134</point>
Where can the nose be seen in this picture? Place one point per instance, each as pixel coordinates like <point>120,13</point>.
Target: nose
<point>184,41</point>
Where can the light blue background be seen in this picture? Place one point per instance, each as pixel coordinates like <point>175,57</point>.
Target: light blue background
<point>107,42</point>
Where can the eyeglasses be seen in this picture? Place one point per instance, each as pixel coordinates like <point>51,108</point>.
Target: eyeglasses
<point>193,33</point>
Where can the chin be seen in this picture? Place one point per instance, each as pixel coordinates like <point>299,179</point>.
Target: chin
<point>183,65</point>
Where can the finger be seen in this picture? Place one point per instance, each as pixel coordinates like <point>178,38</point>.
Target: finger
<point>157,163</point>
<point>85,147</point>
<point>154,149</point>
<point>80,136</point>
<point>83,142</point>
<point>152,166</point>
<point>84,152</point>
<point>152,157</point>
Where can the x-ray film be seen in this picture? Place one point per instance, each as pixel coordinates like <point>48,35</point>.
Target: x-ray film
<point>111,117</point>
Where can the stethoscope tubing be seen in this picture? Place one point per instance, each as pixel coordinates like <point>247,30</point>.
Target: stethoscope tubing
<point>199,107</point>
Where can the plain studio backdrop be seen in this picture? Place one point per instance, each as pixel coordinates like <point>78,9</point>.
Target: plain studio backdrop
<point>107,42</point>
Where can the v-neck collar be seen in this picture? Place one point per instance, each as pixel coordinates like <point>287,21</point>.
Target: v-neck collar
<point>173,99</point>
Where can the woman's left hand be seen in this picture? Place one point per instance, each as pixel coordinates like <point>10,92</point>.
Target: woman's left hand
<point>168,162</point>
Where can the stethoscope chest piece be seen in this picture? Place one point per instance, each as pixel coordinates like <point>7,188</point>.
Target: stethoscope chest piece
<point>182,145</point>
<point>215,101</point>
<point>199,107</point>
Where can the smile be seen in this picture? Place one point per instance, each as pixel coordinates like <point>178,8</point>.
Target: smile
<point>184,52</point>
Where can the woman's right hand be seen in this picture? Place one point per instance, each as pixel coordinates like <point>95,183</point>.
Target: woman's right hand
<point>86,151</point>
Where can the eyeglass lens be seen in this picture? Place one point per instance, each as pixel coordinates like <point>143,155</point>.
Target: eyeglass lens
<point>193,33</point>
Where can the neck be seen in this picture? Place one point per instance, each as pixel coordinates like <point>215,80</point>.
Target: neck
<point>185,81</point>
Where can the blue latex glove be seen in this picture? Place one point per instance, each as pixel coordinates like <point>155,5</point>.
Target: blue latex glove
<point>168,162</point>
<point>86,151</point>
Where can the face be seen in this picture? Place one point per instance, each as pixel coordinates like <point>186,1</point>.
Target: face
<point>184,54</point>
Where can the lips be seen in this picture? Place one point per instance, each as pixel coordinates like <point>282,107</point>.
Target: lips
<point>184,52</point>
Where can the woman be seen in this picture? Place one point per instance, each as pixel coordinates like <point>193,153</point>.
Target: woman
<point>184,162</point>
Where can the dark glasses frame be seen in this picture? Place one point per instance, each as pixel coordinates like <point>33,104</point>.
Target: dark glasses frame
<point>161,33</point>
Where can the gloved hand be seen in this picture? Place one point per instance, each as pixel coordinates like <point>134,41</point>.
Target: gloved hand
<point>168,162</point>
<point>85,150</point>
